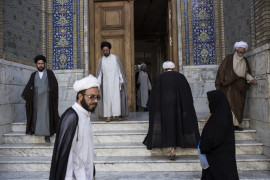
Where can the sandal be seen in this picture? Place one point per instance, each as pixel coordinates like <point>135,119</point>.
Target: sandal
<point>172,155</point>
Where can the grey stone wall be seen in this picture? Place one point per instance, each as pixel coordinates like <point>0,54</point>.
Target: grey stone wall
<point>258,97</point>
<point>13,77</point>
<point>201,80</point>
<point>66,79</point>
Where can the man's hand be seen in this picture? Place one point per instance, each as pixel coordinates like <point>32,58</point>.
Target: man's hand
<point>122,86</point>
<point>253,81</point>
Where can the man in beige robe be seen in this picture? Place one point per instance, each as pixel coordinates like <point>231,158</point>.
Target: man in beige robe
<point>233,78</point>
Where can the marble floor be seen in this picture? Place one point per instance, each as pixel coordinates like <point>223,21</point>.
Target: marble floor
<point>243,175</point>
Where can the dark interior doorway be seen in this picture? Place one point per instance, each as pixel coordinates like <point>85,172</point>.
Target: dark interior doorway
<point>151,35</point>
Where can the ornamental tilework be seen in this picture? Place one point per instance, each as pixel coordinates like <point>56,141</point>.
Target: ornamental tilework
<point>62,34</point>
<point>22,29</point>
<point>201,13</point>
<point>203,32</point>
<point>66,30</point>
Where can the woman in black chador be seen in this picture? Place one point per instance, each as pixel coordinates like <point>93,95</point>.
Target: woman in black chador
<point>172,118</point>
<point>217,140</point>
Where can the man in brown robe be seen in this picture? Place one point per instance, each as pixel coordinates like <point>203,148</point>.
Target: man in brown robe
<point>233,78</point>
<point>41,96</point>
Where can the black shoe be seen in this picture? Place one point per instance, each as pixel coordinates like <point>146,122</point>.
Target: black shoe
<point>47,139</point>
<point>237,128</point>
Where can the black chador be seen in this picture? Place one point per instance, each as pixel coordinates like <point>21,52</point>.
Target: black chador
<point>172,118</point>
<point>217,140</point>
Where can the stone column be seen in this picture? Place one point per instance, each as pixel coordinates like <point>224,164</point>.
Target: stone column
<point>258,96</point>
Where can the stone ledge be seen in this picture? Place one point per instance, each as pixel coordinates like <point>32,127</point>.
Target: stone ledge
<point>18,65</point>
<point>257,50</point>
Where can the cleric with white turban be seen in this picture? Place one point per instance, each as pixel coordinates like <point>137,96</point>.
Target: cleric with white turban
<point>233,77</point>
<point>85,83</point>
<point>168,66</point>
<point>73,155</point>
<point>241,44</point>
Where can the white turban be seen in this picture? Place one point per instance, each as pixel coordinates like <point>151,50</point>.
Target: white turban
<point>85,83</point>
<point>241,44</point>
<point>168,65</point>
<point>141,65</point>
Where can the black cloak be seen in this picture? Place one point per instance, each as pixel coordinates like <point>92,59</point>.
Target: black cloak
<point>172,118</point>
<point>217,140</point>
<point>63,141</point>
<point>28,96</point>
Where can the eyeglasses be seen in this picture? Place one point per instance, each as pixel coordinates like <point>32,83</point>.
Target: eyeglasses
<point>92,97</point>
<point>239,52</point>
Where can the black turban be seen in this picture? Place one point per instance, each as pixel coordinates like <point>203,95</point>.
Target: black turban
<point>103,44</point>
<point>40,57</point>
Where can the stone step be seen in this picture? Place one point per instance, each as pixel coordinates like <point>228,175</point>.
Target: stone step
<point>123,164</point>
<point>110,136</point>
<point>141,175</point>
<point>119,149</point>
<point>126,125</point>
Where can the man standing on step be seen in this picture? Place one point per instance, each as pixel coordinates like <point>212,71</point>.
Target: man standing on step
<point>143,85</point>
<point>233,78</point>
<point>110,74</point>
<point>73,154</point>
<point>41,96</point>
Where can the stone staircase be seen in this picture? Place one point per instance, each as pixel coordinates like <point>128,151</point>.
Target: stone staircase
<point>120,154</point>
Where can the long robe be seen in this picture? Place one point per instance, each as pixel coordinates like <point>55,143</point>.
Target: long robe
<point>217,139</point>
<point>28,96</point>
<point>233,86</point>
<point>114,101</point>
<point>172,118</point>
<point>81,158</point>
<point>41,122</point>
<point>145,86</point>
<point>63,141</point>
<point>68,134</point>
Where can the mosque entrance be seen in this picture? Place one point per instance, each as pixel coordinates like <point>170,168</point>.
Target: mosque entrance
<point>139,31</point>
<point>153,34</point>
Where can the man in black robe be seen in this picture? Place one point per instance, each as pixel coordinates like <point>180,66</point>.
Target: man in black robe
<point>41,96</point>
<point>172,118</point>
<point>73,154</point>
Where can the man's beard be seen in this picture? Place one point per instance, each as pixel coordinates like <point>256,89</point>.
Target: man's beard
<point>40,69</point>
<point>86,107</point>
<point>106,54</point>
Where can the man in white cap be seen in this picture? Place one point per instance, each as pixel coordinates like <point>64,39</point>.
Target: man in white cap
<point>233,78</point>
<point>73,154</point>
<point>172,117</point>
<point>168,66</point>
<point>143,86</point>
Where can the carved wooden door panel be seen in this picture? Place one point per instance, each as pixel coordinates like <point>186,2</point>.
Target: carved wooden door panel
<point>113,22</point>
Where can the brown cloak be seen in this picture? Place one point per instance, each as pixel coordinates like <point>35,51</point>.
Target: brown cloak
<point>28,96</point>
<point>233,86</point>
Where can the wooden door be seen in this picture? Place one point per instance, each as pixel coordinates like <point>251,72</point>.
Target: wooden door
<point>172,51</point>
<point>113,22</point>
